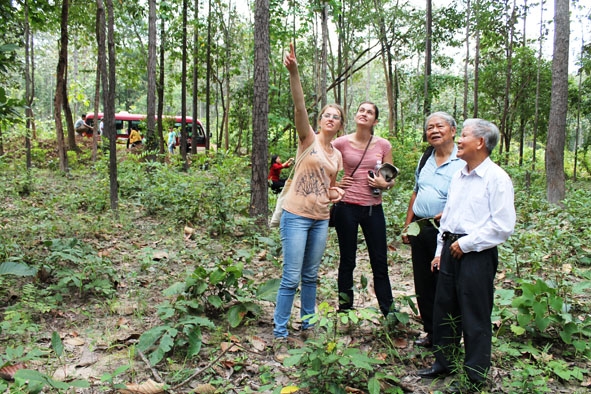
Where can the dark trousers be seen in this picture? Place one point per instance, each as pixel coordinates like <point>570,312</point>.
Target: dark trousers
<point>423,248</point>
<point>463,305</point>
<point>348,218</point>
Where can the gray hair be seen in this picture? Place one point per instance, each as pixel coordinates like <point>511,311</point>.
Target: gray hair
<point>443,115</point>
<point>484,129</point>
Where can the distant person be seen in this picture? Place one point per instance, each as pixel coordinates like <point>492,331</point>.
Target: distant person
<point>135,138</point>
<point>171,143</point>
<point>101,128</point>
<point>82,127</point>
<point>479,215</point>
<point>274,177</point>
<point>432,178</point>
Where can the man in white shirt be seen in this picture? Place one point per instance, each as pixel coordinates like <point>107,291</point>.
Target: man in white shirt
<point>479,215</point>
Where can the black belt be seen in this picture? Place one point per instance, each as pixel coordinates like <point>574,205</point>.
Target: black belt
<point>451,237</point>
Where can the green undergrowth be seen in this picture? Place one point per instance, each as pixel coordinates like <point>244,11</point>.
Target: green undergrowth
<point>183,248</point>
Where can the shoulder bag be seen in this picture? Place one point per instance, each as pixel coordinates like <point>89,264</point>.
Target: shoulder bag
<point>276,218</point>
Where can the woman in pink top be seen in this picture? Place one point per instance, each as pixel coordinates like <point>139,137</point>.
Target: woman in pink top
<point>304,222</point>
<point>362,206</point>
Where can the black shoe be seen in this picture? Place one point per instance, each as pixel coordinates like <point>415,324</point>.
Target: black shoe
<point>435,371</point>
<point>425,342</point>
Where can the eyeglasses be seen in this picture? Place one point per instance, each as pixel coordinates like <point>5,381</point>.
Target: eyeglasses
<point>329,116</point>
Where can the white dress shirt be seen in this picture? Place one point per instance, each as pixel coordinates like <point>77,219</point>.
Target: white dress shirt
<point>479,204</point>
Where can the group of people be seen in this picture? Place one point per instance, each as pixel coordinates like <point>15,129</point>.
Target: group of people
<point>462,202</point>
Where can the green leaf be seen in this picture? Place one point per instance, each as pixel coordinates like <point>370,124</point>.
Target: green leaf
<point>17,269</point>
<point>517,330</point>
<point>195,342</point>
<point>175,289</point>
<point>267,291</point>
<point>57,344</point>
<point>149,338</point>
<point>215,301</point>
<point>413,229</point>
<point>217,276</point>
<point>235,315</point>
<point>373,386</point>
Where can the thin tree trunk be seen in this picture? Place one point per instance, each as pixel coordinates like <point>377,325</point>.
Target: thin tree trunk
<point>324,54</point>
<point>110,110</point>
<point>428,40</point>
<point>195,97</point>
<point>151,139</point>
<point>184,90</point>
<point>29,98</point>
<point>208,76</point>
<point>466,61</point>
<point>555,179</point>
<point>160,85</point>
<point>538,74</point>
<point>59,88</point>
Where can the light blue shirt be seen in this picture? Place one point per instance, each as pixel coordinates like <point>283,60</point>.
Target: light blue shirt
<point>481,205</point>
<point>432,184</point>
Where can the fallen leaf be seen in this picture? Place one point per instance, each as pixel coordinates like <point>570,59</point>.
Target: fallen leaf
<point>74,341</point>
<point>290,390</point>
<point>7,372</point>
<point>258,344</point>
<point>400,343</point>
<point>148,387</point>
<point>228,345</point>
<point>204,389</point>
<point>159,255</point>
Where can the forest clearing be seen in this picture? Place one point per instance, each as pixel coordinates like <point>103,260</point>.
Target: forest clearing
<point>177,293</point>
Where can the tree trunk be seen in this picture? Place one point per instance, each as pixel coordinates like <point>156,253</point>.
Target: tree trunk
<point>109,106</point>
<point>160,85</point>
<point>504,127</point>
<point>28,95</point>
<point>59,88</point>
<point>466,61</point>
<point>555,182</point>
<point>260,112</point>
<point>428,55</point>
<point>324,54</point>
<point>195,96</point>
<point>208,76</point>
<point>184,89</point>
<point>538,78</point>
<point>151,140</point>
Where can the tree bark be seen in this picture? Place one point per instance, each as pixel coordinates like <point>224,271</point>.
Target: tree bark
<point>555,179</point>
<point>259,196</point>
<point>428,56</point>
<point>59,88</point>
<point>151,140</point>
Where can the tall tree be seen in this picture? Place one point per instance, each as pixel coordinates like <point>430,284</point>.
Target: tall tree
<point>60,89</point>
<point>555,180</point>
<point>109,105</point>
<point>466,61</point>
<point>260,110</point>
<point>428,57</point>
<point>151,140</point>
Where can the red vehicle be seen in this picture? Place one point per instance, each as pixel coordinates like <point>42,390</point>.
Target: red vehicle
<point>125,121</point>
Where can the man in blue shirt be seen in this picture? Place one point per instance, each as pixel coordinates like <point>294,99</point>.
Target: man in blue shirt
<point>432,179</point>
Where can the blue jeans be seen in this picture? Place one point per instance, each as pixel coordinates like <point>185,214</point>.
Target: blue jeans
<point>304,242</point>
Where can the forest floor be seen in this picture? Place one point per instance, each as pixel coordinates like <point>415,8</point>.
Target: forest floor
<point>149,254</point>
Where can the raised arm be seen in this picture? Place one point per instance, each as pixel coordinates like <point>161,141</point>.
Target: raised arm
<point>302,123</point>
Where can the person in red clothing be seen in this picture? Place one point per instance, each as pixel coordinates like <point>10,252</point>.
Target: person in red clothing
<point>275,180</point>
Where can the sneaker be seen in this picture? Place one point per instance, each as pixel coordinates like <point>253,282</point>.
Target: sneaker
<point>280,348</point>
